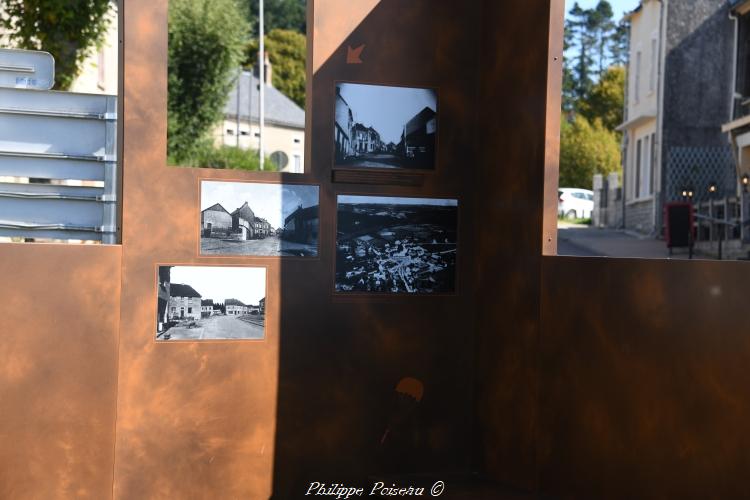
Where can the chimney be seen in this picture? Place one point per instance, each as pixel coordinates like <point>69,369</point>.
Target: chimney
<point>267,70</point>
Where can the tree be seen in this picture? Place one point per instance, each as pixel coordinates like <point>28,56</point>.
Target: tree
<point>586,149</point>
<point>579,40</point>
<point>277,14</point>
<point>67,29</point>
<point>206,40</point>
<point>618,44</point>
<point>606,99</point>
<point>601,26</point>
<point>287,51</point>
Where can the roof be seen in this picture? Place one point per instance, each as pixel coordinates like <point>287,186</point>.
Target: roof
<point>207,302</point>
<point>179,290</point>
<point>279,109</point>
<point>234,302</point>
<point>309,213</point>
<point>245,212</point>
<point>216,207</point>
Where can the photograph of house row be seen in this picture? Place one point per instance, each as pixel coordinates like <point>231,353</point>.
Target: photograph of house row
<point>378,126</point>
<point>270,220</point>
<point>208,302</point>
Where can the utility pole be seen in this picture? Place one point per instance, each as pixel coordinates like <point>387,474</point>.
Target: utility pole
<point>262,78</point>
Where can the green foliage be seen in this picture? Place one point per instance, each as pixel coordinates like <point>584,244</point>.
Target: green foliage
<point>586,149</point>
<point>205,154</point>
<point>287,51</point>
<point>593,42</point>
<point>606,99</point>
<point>277,14</point>
<point>206,40</point>
<point>67,29</point>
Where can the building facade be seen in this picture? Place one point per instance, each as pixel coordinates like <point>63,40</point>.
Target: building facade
<point>343,130</point>
<point>418,137</point>
<point>184,302</point>
<point>366,140</point>
<point>243,222</point>
<point>677,98</point>
<point>235,307</point>
<point>207,308</point>
<point>284,122</point>
<point>216,221</point>
<point>302,225</point>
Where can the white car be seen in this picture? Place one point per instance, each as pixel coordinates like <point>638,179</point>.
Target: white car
<point>575,203</point>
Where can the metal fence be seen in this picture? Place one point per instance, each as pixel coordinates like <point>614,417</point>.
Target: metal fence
<point>695,168</point>
<point>62,147</point>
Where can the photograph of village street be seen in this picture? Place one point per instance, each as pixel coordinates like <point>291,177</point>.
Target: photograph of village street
<point>266,220</point>
<point>209,302</point>
<point>396,245</point>
<point>385,127</point>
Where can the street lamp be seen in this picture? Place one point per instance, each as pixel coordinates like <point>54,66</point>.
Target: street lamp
<point>745,181</point>
<point>713,187</point>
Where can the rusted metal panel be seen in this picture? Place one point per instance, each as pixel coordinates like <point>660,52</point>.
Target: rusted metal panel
<point>643,376</point>
<point>58,369</point>
<point>224,420</point>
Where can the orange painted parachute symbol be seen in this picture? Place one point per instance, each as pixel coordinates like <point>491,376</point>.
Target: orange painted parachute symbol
<point>410,392</point>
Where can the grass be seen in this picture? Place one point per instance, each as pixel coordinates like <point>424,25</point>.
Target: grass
<point>586,222</point>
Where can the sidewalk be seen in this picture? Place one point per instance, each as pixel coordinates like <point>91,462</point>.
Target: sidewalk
<point>586,241</point>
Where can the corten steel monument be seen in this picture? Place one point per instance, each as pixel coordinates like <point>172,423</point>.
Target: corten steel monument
<point>569,377</point>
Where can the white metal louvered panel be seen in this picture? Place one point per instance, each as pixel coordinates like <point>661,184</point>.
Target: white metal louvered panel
<point>59,136</point>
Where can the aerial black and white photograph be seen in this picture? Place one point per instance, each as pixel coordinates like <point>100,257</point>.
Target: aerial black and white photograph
<point>378,126</point>
<point>396,245</point>
<point>211,303</point>
<point>259,219</point>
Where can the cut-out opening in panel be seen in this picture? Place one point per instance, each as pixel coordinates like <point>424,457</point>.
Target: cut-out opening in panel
<point>59,86</point>
<point>237,84</point>
<point>653,131</point>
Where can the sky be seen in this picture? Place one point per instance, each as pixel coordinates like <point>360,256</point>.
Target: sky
<point>392,200</point>
<point>386,109</point>
<point>620,7</point>
<point>246,284</point>
<point>273,202</point>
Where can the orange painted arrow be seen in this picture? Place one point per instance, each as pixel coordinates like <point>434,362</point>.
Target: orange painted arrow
<point>354,56</point>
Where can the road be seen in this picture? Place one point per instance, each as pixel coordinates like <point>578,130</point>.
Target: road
<point>217,327</point>
<point>272,246</point>
<point>586,241</point>
<point>376,160</point>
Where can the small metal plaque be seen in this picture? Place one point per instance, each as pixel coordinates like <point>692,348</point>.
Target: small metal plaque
<point>377,177</point>
<point>26,69</point>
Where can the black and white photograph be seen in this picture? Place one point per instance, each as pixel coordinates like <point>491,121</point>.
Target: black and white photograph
<point>396,245</point>
<point>259,219</point>
<point>378,126</point>
<point>211,303</point>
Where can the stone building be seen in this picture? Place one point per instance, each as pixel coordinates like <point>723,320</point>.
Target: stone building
<point>184,302</point>
<point>678,95</point>
<point>216,221</point>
